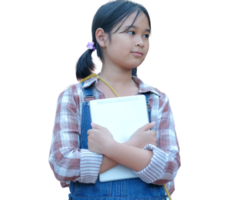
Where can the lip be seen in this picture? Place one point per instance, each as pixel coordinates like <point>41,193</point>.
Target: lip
<point>138,54</point>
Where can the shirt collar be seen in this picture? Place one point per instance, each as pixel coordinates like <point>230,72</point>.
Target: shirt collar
<point>143,88</point>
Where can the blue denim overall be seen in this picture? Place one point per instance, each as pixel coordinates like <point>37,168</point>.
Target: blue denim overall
<point>127,189</point>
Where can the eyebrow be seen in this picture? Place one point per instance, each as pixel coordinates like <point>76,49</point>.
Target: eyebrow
<point>128,27</point>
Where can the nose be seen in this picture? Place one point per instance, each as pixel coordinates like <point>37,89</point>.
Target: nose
<point>139,41</point>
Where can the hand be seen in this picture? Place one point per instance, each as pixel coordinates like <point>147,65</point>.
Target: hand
<point>99,139</point>
<point>143,136</point>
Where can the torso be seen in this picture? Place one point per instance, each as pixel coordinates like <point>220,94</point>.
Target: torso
<point>122,92</point>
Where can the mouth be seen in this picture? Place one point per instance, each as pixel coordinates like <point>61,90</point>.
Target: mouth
<point>136,53</point>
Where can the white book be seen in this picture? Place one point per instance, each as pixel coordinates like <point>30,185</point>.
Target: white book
<point>122,116</point>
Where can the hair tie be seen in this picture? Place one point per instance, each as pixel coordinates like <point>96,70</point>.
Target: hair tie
<point>90,45</point>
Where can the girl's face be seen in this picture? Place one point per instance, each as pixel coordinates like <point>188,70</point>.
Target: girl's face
<point>128,49</point>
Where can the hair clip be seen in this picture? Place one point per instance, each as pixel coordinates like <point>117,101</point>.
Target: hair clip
<point>90,45</point>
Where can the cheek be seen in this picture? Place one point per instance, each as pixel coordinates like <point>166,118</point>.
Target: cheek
<point>125,44</point>
<point>121,48</point>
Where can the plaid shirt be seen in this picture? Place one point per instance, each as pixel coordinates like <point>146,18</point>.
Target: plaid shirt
<point>69,163</point>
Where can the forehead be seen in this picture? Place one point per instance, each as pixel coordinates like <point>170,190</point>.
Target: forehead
<point>141,21</point>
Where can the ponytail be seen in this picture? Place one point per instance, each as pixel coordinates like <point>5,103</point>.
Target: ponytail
<point>85,66</point>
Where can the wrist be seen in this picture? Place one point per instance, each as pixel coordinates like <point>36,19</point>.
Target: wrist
<point>111,145</point>
<point>130,143</point>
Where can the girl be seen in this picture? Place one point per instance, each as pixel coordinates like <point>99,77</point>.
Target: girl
<point>82,150</point>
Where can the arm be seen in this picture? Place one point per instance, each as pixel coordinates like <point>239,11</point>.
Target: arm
<point>65,160</point>
<point>157,165</point>
<point>129,156</point>
<point>109,163</point>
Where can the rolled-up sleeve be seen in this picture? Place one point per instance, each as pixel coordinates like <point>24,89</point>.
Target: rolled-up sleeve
<point>165,161</point>
<point>67,160</point>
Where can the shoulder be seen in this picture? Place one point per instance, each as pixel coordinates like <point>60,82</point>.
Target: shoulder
<point>159,99</point>
<point>156,93</point>
<point>72,93</point>
<point>162,95</point>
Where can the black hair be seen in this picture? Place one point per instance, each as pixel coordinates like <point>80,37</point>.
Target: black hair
<point>107,17</point>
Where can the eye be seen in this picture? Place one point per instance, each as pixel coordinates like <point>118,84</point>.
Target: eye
<point>147,35</point>
<point>130,31</point>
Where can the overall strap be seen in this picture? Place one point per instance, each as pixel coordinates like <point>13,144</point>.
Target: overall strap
<point>148,105</point>
<point>147,96</point>
<point>88,93</point>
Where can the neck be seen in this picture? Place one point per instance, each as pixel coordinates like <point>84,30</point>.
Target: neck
<point>116,77</point>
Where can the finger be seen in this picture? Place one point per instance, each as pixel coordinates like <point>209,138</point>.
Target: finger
<point>98,127</point>
<point>95,126</point>
<point>149,126</point>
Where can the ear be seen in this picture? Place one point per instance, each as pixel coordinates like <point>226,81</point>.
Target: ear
<point>101,37</point>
